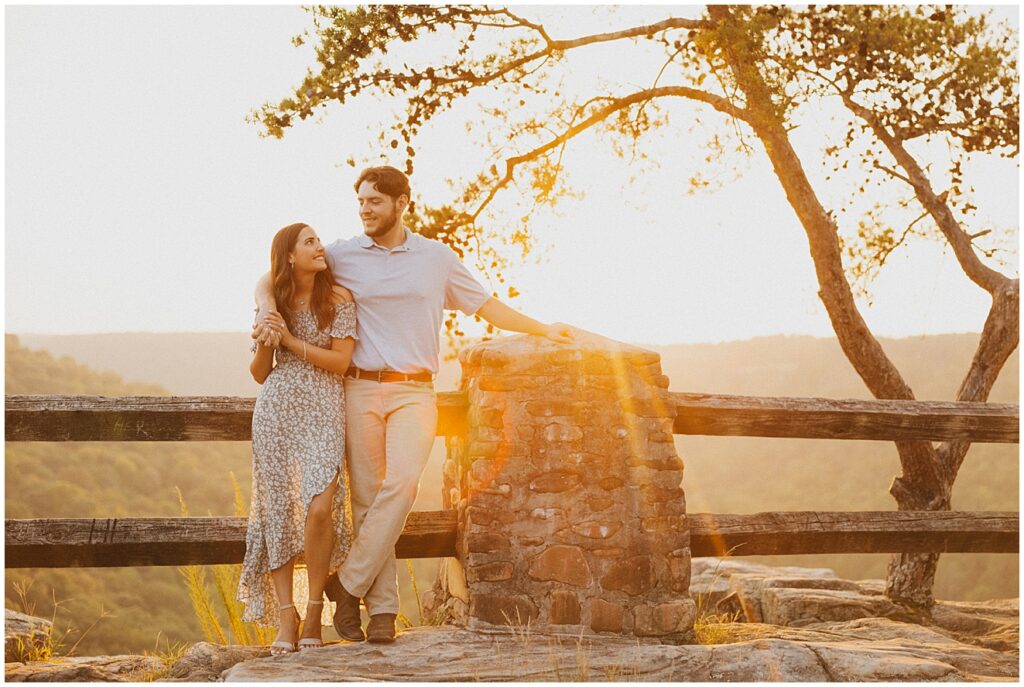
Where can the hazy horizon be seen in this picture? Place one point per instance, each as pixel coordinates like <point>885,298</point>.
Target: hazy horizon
<point>634,342</point>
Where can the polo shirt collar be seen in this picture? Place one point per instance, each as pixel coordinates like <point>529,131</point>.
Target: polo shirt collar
<point>412,241</point>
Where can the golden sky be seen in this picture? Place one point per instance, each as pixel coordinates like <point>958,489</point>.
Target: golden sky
<point>138,198</point>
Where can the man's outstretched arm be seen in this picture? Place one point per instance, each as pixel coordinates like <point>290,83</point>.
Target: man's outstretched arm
<point>510,320</point>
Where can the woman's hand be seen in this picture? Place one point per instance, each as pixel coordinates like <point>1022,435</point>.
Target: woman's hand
<point>264,334</point>
<point>277,326</point>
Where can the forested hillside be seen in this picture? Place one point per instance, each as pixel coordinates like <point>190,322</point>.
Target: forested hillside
<point>103,479</point>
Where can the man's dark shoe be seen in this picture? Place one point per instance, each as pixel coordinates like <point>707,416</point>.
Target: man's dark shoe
<point>347,621</point>
<point>381,628</point>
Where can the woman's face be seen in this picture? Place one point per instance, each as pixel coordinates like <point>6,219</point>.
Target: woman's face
<point>308,253</point>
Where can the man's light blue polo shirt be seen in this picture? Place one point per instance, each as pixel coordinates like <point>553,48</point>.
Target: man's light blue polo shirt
<point>401,295</point>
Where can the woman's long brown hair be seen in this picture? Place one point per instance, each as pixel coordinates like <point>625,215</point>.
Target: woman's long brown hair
<point>284,282</point>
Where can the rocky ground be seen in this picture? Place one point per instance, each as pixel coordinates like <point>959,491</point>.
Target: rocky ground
<point>800,624</point>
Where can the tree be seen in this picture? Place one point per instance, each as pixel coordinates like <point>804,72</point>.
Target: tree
<point>904,74</point>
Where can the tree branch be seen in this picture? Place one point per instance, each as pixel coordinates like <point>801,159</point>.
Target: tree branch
<point>999,339</point>
<point>716,101</point>
<point>634,32</point>
<point>552,45</point>
<point>892,172</point>
<point>884,255</point>
<point>982,275</point>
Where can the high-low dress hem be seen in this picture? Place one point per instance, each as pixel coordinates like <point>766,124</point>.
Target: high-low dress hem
<point>298,443</point>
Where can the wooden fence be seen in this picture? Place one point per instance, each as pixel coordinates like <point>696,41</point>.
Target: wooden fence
<point>179,541</point>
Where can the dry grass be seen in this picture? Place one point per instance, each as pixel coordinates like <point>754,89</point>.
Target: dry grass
<point>716,629</point>
<point>168,655</point>
<point>566,663</point>
<point>225,586</point>
<point>710,627</point>
<point>49,647</point>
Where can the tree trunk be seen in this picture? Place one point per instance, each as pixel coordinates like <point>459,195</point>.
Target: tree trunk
<point>926,481</point>
<point>911,577</point>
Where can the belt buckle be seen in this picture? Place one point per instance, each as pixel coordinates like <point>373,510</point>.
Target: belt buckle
<point>380,376</point>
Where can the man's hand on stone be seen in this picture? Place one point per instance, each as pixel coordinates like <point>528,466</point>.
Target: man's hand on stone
<point>559,332</point>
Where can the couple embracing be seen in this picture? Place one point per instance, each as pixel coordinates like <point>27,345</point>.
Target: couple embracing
<point>347,345</point>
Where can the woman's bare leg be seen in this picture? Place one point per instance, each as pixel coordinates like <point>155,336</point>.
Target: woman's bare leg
<point>319,536</point>
<point>288,622</point>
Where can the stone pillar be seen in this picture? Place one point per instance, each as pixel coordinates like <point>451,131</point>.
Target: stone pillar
<point>568,490</point>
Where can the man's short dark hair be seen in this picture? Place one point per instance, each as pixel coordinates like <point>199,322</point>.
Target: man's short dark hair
<point>387,180</point>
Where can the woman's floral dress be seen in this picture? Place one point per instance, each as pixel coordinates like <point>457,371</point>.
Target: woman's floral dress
<point>298,449</point>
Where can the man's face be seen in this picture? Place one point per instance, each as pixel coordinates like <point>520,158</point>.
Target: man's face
<point>378,211</point>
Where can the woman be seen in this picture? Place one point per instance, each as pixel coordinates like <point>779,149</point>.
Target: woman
<point>299,510</point>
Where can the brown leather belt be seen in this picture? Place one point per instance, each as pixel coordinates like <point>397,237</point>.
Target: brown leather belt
<point>388,375</point>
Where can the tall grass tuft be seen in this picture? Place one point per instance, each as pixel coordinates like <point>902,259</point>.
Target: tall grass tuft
<point>415,589</point>
<point>225,585</point>
<point>709,627</point>
<point>199,593</point>
<point>51,645</point>
<point>168,655</point>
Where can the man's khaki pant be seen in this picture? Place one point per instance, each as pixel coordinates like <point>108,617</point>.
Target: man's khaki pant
<point>390,429</point>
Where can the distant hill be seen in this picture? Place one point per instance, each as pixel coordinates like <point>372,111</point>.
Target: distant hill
<point>808,366</point>
<point>210,364</point>
<point>218,364</point>
<point>39,372</point>
<point>104,479</point>
<point>723,474</point>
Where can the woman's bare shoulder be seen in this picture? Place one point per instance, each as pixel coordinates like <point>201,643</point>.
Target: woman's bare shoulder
<point>341,295</point>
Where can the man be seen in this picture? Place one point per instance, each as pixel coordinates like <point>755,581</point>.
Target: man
<point>401,283</point>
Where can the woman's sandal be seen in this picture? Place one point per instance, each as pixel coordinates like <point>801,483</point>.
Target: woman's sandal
<point>281,648</point>
<point>311,642</point>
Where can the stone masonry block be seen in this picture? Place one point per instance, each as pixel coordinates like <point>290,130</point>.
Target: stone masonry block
<point>562,432</point>
<point>503,609</point>
<point>564,609</point>
<point>605,616</point>
<point>495,383</point>
<point>679,570</point>
<point>490,572</point>
<point>655,462</point>
<point>633,575</point>
<point>560,563</point>
<point>596,529</point>
<point>494,359</point>
<point>487,542</point>
<point>555,482</point>
<point>555,408</point>
<point>491,417</point>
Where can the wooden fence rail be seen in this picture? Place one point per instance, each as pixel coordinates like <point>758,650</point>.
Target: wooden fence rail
<point>823,418</point>
<point>88,542</point>
<point>182,541</point>
<point>226,418</point>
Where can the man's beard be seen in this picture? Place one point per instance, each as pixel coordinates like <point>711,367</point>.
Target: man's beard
<point>386,224</point>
